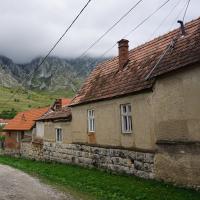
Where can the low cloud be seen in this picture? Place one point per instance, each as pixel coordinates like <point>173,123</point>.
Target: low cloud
<point>29,28</point>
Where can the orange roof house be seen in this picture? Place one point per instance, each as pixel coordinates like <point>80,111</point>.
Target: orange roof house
<point>25,121</point>
<point>21,127</point>
<point>4,121</point>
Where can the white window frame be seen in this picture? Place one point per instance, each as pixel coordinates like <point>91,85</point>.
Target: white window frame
<point>59,139</point>
<point>91,120</point>
<point>126,118</point>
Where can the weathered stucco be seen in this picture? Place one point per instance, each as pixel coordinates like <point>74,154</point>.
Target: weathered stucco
<point>50,131</point>
<point>178,163</point>
<point>170,112</point>
<point>108,122</point>
<point>176,106</point>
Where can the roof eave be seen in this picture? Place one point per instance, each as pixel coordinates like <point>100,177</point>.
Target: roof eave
<point>56,118</point>
<point>148,89</point>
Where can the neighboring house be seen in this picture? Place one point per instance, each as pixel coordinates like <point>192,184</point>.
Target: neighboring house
<point>147,99</point>
<point>3,122</point>
<point>55,126</point>
<point>22,126</point>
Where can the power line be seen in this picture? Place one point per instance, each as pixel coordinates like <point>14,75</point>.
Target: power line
<point>178,15</point>
<point>168,15</point>
<point>186,10</point>
<point>106,32</point>
<point>137,26</point>
<point>169,47</point>
<point>49,52</point>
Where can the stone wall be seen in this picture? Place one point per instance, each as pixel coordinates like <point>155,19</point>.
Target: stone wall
<point>173,162</point>
<point>123,161</point>
<point>32,150</point>
<point>11,152</point>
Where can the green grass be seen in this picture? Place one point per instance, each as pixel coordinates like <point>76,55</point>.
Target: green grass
<point>26,99</point>
<point>101,185</point>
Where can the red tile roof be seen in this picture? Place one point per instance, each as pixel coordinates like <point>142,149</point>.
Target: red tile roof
<point>25,120</point>
<point>65,101</point>
<point>107,81</point>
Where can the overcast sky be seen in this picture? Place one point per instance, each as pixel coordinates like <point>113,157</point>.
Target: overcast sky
<point>29,28</point>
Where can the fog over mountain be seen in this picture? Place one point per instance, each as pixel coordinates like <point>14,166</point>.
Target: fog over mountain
<point>54,74</point>
<point>29,28</point>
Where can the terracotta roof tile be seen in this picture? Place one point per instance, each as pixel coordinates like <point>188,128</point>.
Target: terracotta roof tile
<point>25,120</point>
<point>64,113</point>
<point>107,81</point>
<point>65,101</point>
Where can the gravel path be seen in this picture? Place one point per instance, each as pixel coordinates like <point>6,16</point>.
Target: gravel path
<point>16,185</point>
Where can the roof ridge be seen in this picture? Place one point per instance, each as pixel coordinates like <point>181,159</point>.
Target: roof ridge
<point>171,32</point>
<point>190,23</point>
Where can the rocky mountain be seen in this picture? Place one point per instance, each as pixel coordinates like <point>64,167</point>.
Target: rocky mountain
<point>54,74</point>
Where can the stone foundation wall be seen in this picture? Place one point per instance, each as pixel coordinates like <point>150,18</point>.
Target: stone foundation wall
<point>32,151</point>
<point>123,161</point>
<point>178,163</point>
<point>11,152</point>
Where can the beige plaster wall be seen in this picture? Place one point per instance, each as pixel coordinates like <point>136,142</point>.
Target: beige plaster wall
<point>108,122</point>
<point>178,163</point>
<point>176,106</point>
<point>170,112</point>
<point>50,132</point>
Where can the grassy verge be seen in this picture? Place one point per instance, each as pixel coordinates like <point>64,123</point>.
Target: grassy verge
<point>101,185</point>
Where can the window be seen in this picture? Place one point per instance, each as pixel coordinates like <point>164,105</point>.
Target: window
<point>91,124</point>
<point>126,118</point>
<point>17,137</point>
<point>22,135</point>
<point>59,135</point>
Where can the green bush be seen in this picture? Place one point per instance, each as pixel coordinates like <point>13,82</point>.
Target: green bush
<point>8,114</point>
<point>2,138</point>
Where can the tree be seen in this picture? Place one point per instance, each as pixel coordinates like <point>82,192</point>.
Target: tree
<point>8,114</point>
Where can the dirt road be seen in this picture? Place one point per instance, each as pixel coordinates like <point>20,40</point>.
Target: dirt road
<point>16,185</point>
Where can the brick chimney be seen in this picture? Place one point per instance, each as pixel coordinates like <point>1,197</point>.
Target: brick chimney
<point>123,53</point>
<point>58,104</point>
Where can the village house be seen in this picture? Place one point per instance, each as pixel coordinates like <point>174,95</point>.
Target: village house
<point>54,126</point>
<point>3,122</point>
<point>137,113</point>
<point>147,100</point>
<point>20,127</point>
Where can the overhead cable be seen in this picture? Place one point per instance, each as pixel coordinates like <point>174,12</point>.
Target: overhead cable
<point>106,32</point>
<point>49,52</point>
